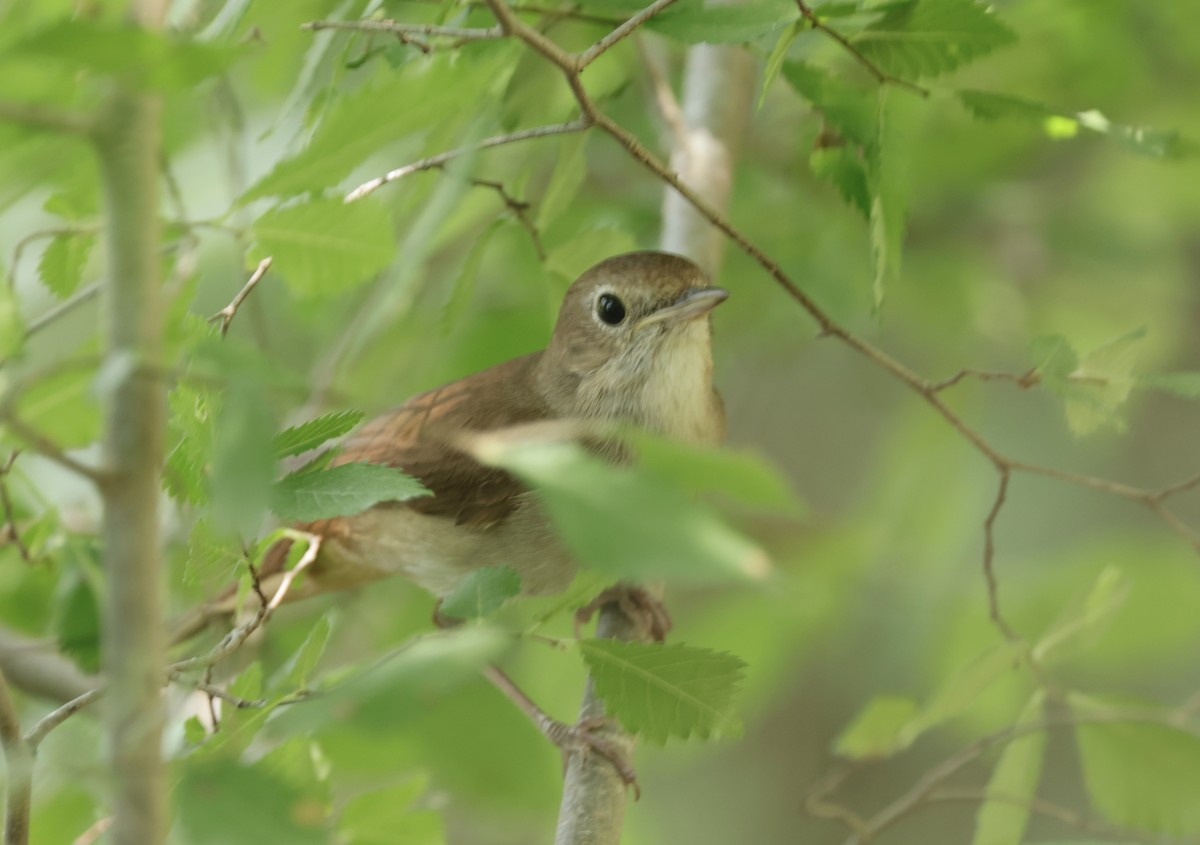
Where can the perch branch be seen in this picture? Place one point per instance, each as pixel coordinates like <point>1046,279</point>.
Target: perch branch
<point>226,314</point>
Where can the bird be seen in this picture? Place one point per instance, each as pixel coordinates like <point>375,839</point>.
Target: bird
<point>632,344</point>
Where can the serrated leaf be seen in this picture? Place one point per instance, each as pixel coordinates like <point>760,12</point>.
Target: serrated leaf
<point>659,691</point>
<point>1064,124</point>
<point>699,23</point>
<point>481,593</point>
<point>341,491</point>
<point>61,265</point>
<point>193,411</point>
<point>1140,775</point>
<point>1088,614</point>
<point>211,560</point>
<point>850,110</point>
<point>304,661</point>
<point>663,532</point>
<point>1015,779</point>
<point>843,167</point>
<point>570,171</point>
<point>878,730</point>
<point>315,432</point>
<point>325,247</point>
<point>931,37</point>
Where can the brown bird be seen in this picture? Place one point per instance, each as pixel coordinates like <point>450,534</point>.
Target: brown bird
<point>632,345</point>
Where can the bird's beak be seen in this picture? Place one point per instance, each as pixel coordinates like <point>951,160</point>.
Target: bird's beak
<point>694,303</point>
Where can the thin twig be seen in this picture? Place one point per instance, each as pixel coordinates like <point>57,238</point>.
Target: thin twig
<point>519,209</point>
<point>234,639</point>
<point>440,159</point>
<point>62,309</point>
<point>44,117</point>
<point>226,314</point>
<point>48,449</point>
<point>621,32</point>
<point>989,556</point>
<point>56,717</point>
<point>1025,380</point>
<point>399,28</point>
<point>11,533</point>
<point>19,757</point>
<point>93,833</point>
<point>882,78</point>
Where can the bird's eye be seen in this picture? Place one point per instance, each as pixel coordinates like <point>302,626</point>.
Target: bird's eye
<point>610,309</point>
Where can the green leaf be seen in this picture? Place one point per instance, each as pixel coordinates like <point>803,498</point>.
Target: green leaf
<point>659,691</point>
<point>844,167</point>
<point>964,688</point>
<point>325,247</point>
<point>341,491</point>
<point>463,288</point>
<point>309,435</point>
<point>304,661</point>
<point>889,194</point>
<point>138,56</point>
<point>481,593</point>
<point>663,532</point>
<point>428,92</point>
<point>1053,357</point>
<point>243,464</point>
<point>1099,386</point>
<point>194,731</point>
<point>77,619</point>
<point>572,257</point>
<point>387,816</point>
<point>192,415</point>
<point>775,60</point>
<point>211,559</point>
<point>931,37</point>
<point>849,109</point>
<point>570,171</point>
<point>1062,124</point>
<point>61,406</point>
<point>739,476</point>
<point>1140,775</point>
<point>878,730</point>
<point>698,23</point>
<point>221,801</point>
<point>1015,779</point>
<point>61,265</point>
<point>1087,616</point>
<point>1185,385</point>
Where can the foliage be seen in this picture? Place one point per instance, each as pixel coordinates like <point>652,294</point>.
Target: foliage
<point>948,180</point>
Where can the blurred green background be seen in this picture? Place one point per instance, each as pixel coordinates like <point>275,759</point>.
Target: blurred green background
<point>1011,236</point>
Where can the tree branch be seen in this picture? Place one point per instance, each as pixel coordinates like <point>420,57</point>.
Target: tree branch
<point>37,669</point>
<point>43,117</point>
<point>19,758</point>
<point>226,314</point>
<point>400,28</point>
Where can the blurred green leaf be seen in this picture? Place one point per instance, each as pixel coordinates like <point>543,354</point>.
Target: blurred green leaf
<point>322,248</point>
<point>878,730</point>
<point>700,23</point>
<point>931,37</point>
<point>1086,617</point>
<point>77,619</point>
<point>243,463</point>
<point>1098,387</point>
<point>61,406</point>
<point>843,166</point>
<point>341,491</point>
<point>570,170</point>
<point>889,193</point>
<point>463,289</point>
<point>223,801</point>
<point>659,691</point>
<point>61,265</point>
<point>301,664</point>
<point>964,688</point>
<point>622,521</point>
<point>851,110</point>
<point>138,57</point>
<point>386,816</point>
<point>1061,124</point>
<point>194,731</point>
<point>1140,775</point>
<point>571,258</point>
<point>212,560</point>
<point>1015,778</point>
<point>315,432</point>
<point>1184,385</point>
<point>481,593</point>
<point>12,328</point>
<point>775,60</point>
<point>192,418</point>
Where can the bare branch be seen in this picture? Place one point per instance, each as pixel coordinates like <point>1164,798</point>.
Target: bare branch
<point>440,159</point>
<point>234,639</point>
<point>519,209</point>
<point>48,449</point>
<point>400,28</point>
<point>56,717</point>
<point>989,555</point>
<point>19,758</point>
<point>62,309</point>
<point>43,117</point>
<point>226,314</point>
<point>93,833</point>
<point>880,77</point>
<point>1024,381</point>
<point>620,33</point>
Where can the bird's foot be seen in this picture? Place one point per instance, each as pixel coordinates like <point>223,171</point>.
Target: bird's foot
<point>584,737</point>
<point>635,602</point>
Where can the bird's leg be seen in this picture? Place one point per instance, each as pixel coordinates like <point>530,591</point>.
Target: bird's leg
<point>580,738</point>
<point>635,602</point>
